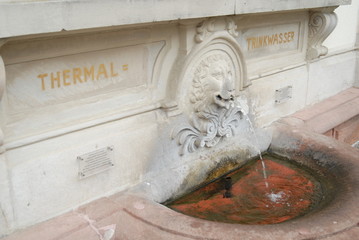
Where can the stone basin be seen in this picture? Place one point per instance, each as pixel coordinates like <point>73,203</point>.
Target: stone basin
<point>330,159</point>
<point>264,191</point>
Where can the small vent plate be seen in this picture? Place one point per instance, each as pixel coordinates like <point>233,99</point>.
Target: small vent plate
<point>283,95</point>
<point>95,162</point>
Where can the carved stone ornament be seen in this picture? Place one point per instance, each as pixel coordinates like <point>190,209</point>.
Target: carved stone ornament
<point>208,27</point>
<point>215,113</point>
<point>321,24</point>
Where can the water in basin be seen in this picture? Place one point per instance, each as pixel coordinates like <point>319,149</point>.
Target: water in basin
<point>242,196</point>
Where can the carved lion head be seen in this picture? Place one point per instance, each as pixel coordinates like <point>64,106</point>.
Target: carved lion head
<point>213,84</point>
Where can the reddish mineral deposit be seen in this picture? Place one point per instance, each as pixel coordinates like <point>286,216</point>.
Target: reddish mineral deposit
<point>291,193</point>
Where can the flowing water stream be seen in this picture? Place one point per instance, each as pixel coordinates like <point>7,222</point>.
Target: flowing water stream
<point>251,128</point>
<point>274,197</point>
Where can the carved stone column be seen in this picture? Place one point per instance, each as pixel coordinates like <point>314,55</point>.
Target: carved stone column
<point>321,24</point>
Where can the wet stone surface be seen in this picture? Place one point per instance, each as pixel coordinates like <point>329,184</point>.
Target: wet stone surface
<point>243,197</point>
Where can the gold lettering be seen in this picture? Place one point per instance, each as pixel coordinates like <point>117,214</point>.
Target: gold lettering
<point>89,73</point>
<point>57,79</point>
<point>42,76</point>
<point>76,75</point>
<point>260,41</point>
<point>253,43</point>
<point>280,38</point>
<point>248,43</point>
<point>292,36</point>
<point>65,76</point>
<point>270,40</point>
<point>275,38</point>
<point>101,71</point>
<point>286,37</point>
<point>113,73</point>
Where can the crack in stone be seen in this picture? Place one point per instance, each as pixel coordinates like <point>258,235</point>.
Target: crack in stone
<point>109,231</point>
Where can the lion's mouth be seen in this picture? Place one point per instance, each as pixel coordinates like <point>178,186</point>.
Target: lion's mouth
<point>220,98</point>
<point>224,102</point>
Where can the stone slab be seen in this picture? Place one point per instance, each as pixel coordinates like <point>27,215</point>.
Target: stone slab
<point>335,117</point>
<point>331,112</point>
<point>268,36</point>
<point>81,81</point>
<point>327,104</point>
<point>99,209</point>
<point>56,228</point>
<point>84,233</point>
<point>347,132</point>
<point>61,79</point>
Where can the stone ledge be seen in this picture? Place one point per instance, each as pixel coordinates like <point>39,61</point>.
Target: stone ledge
<point>329,113</point>
<point>19,18</point>
<point>56,228</point>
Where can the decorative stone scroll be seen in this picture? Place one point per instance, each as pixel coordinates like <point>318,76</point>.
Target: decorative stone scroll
<point>215,112</point>
<point>321,24</point>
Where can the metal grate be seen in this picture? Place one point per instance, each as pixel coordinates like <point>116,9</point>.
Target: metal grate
<point>95,162</point>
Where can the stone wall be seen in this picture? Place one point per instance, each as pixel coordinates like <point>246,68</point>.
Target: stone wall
<point>120,92</point>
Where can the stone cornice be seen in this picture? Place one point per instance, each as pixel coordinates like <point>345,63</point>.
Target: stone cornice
<point>19,18</point>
